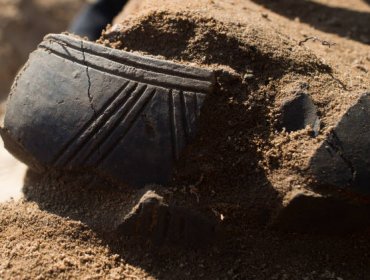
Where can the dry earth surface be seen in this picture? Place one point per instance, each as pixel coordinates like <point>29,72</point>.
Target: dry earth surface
<point>262,50</point>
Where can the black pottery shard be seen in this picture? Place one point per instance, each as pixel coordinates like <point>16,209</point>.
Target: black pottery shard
<point>160,223</point>
<point>77,105</point>
<point>298,112</point>
<point>343,160</point>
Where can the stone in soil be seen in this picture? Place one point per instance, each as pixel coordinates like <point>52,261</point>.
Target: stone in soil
<point>299,112</point>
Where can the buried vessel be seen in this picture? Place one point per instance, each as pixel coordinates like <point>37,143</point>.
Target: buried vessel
<point>77,105</point>
<point>127,117</point>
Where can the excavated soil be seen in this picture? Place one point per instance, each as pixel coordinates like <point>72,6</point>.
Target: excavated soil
<point>38,245</point>
<point>243,161</point>
<point>240,168</point>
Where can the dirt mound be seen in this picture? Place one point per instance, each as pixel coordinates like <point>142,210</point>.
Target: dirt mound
<point>243,159</point>
<point>241,168</point>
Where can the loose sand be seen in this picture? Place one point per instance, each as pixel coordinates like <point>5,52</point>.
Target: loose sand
<point>239,166</point>
<point>38,245</point>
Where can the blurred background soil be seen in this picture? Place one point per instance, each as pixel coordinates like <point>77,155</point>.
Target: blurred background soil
<point>23,23</point>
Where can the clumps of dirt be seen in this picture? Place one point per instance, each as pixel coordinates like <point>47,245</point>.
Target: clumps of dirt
<point>243,161</point>
<point>191,37</point>
<point>38,245</point>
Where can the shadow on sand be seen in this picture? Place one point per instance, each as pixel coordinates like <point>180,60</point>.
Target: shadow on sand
<point>343,22</point>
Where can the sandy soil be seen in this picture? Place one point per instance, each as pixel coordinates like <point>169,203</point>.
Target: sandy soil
<point>60,249</point>
<point>247,168</point>
<point>238,132</point>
